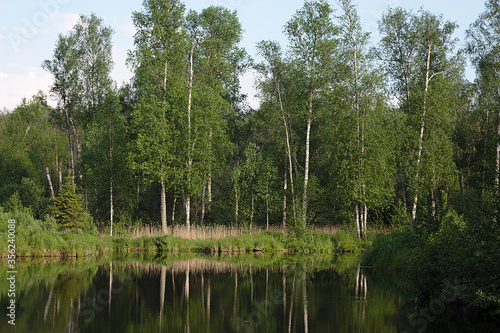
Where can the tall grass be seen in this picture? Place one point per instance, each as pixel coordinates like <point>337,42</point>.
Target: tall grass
<point>212,231</point>
<point>194,233</point>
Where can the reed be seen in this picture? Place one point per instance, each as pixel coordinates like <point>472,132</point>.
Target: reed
<point>200,232</point>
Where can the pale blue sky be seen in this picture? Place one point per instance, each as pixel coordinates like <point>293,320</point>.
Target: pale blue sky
<point>29,29</point>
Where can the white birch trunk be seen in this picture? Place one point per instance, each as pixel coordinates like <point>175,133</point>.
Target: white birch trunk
<point>52,194</point>
<point>306,168</point>
<point>190,153</point>
<point>358,222</point>
<point>173,209</point>
<point>188,213</point>
<point>284,199</point>
<point>202,217</point>
<point>267,211</point>
<point>365,218</point>
<point>422,129</point>
<point>163,207</point>
<point>209,185</point>
<point>60,178</point>
<point>111,206</point>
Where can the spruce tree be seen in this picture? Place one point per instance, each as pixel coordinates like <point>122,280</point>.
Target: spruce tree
<point>68,206</point>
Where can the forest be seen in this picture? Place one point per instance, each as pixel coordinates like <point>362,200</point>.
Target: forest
<point>363,138</point>
<point>346,134</point>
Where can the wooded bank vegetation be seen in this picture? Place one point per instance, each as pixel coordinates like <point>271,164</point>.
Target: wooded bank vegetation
<point>346,133</point>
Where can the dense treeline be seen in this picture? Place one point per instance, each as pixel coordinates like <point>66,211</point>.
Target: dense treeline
<point>346,133</point>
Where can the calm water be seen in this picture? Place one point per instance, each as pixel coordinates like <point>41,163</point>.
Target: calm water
<point>187,294</point>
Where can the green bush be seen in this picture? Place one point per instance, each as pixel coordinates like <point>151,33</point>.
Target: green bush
<point>461,254</point>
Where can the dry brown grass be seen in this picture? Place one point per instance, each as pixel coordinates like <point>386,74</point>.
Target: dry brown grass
<point>196,232</point>
<point>329,229</point>
<point>213,232</point>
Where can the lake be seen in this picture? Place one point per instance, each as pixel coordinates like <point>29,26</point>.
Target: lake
<point>188,293</point>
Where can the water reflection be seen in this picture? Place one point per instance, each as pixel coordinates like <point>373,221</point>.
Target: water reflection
<point>199,295</point>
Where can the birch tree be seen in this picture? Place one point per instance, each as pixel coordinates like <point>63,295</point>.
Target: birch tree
<point>81,67</point>
<point>365,176</point>
<point>213,57</point>
<point>311,33</point>
<point>158,64</point>
<point>418,51</point>
<point>272,85</point>
<point>64,68</point>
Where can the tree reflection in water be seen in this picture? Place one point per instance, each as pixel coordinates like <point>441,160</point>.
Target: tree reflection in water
<point>131,296</point>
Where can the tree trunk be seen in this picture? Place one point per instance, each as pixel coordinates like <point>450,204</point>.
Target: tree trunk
<point>252,212</point>
<point>58,168</point>
<point>358,221</point>
<point>422,129</point>
<point>284,199</point>
<point>173,209</point>
<point>365,218</point>
<point>189,146</point>
<point>267,211</point>
<point>485,149</point>
<point>111,203</point>
<point>163,207</point>
<point>289,155</point>
<point>433,203</point>
<point>188,213</point>
<point>52,194</point>
<point>202,218</point>
<point>111,206</point>
<point>60,178</point>
<point>306,168</point>
<point>209,185</point>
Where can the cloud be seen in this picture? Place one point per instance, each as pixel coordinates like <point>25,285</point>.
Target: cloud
<point>38,27</point>
<point>15,87</point>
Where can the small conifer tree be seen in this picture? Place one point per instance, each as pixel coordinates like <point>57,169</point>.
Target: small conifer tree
<point>68,206</point>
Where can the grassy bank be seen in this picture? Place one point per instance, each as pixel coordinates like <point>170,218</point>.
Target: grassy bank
<point>262,241</point>
<point>41,238</point>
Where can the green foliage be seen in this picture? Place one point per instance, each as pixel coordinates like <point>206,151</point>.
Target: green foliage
<point>68,207</point>
<point>26,150</point>
<point>461,254</point>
